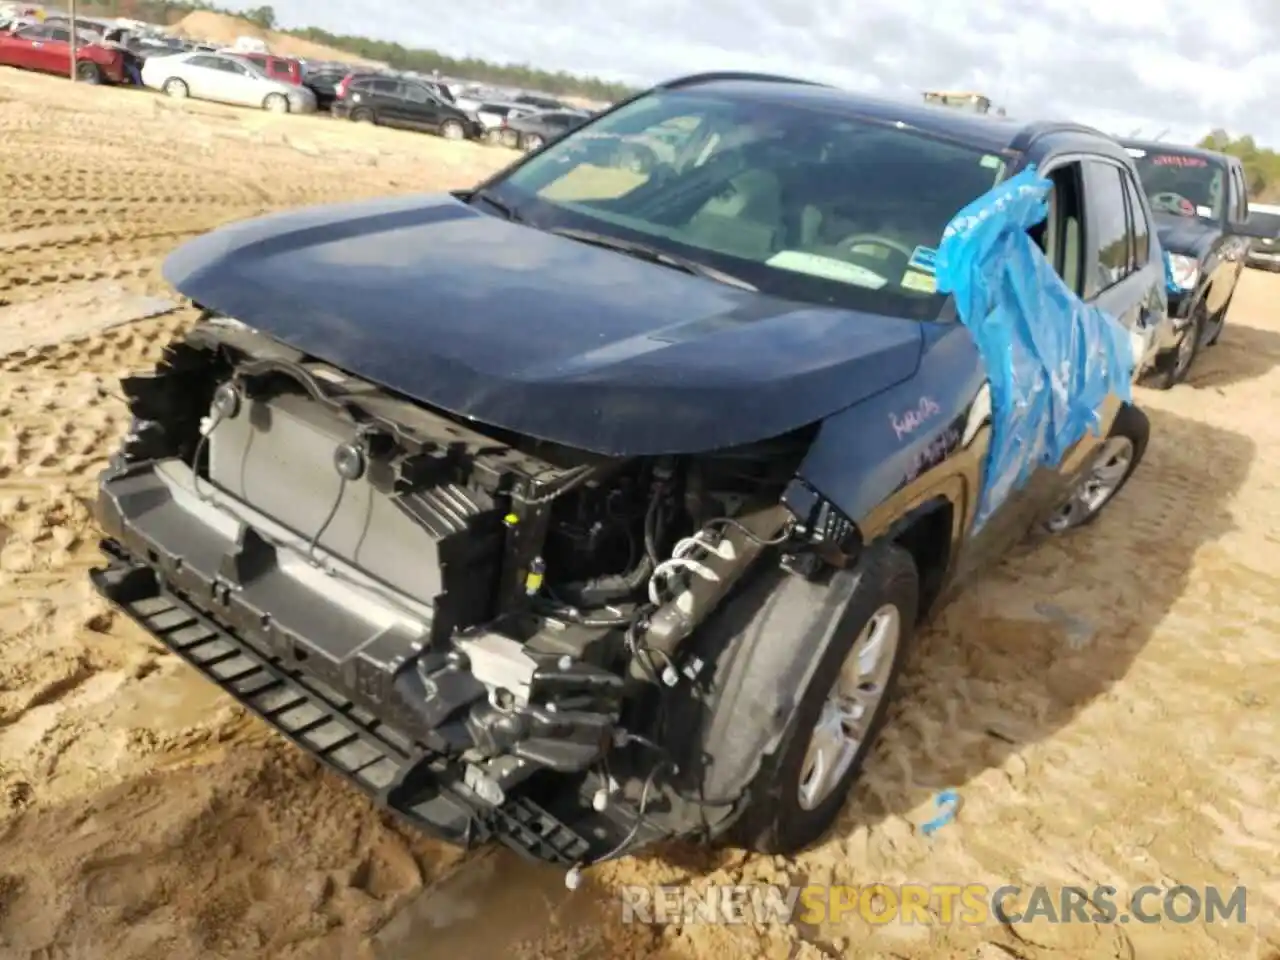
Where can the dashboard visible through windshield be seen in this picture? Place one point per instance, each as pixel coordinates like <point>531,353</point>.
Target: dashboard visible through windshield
<point>1181,184</point>
<point>798,201</point>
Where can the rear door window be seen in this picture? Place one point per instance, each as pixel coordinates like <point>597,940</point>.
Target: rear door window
<point>415,93</point>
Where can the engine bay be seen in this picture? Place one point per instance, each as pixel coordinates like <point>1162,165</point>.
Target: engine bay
<point>497,598</point>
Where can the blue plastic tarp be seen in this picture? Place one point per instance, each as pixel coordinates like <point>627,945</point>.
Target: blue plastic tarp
<point>1051,358</point>
<point>1170,285</point>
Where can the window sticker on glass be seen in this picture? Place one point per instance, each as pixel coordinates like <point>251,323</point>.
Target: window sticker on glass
<point>1204,211</point>
<point>991,161</point>
<point>916,280</point>
<point>818,266</point>
<point>924,258</point>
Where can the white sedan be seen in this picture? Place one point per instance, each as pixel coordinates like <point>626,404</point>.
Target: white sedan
<point>225,78</point>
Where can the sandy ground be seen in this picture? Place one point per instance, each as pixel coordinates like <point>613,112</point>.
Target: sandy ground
<point>1105,704</point>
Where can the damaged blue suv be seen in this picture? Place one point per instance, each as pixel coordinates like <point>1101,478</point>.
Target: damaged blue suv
<point>599,504</point>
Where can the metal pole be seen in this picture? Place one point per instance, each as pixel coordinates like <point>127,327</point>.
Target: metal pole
<point>75,38</point>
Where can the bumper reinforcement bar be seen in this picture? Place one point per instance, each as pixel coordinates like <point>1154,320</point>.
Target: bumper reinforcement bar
<point>400,776</point>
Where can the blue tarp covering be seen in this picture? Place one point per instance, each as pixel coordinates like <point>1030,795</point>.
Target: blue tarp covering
<point>1051,358</point>
<point>1170,285</point>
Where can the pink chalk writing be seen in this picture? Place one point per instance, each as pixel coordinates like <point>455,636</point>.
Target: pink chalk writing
<point>910,421</point>
<point>932,454</point>
<point>1178,160</point>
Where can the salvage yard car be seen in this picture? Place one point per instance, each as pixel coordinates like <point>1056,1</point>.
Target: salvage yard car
<point>225,78</point>
<point>1264,252</point>
<point>627,539</point>
<point>47,47</point>
<point>1201,206</point>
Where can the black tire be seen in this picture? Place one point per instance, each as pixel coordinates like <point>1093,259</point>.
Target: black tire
<point>1218,322</point>
<point>1179,365</point>
<point>773,820</point>
<point>363,115</point>
<point>1130,424</point>
<point>176,88</point>
<point>89,72</point>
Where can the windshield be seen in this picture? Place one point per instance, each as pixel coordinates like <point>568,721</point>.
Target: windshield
<point>1181,184</point>
<point>799,201</point>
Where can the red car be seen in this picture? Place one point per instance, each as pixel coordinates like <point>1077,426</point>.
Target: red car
<point>284,69</point>
<point>47,48</point>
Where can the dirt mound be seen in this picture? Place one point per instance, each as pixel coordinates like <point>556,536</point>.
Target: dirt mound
<point>224,30</point>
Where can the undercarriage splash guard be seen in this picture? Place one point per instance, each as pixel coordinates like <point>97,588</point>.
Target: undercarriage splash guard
<point>1051,358</point>
<point>399,776</point>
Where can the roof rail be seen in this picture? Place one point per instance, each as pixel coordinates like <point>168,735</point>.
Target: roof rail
<point>1029,134</point>
<point>694,79</point>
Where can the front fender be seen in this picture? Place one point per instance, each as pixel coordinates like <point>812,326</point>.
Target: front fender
<point>869,453</point>
<point>768,640</point>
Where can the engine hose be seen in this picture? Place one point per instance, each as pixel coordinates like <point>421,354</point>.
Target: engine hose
<point>602,591</point>
<point>614,587</point>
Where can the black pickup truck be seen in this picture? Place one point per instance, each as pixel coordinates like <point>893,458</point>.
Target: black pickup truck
<point>1200,201</point>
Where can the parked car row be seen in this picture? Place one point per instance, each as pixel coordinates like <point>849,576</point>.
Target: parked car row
<point>670,548</point>
<point>257,78</point>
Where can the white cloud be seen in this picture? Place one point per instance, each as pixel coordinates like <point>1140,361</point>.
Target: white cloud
<point>1182,65</point>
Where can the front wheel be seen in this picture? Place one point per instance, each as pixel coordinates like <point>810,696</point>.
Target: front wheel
<point>532,142</point>
<point>1177,367</point>
<point>800,676</point>
<point>362,115</point>
<point>1111,469</point>
<point>1217,323</point>
<point>799,791</point>
<point>276,103</point>
<point>452,130</point>
<point>176,89</point>
<point>90,73</point>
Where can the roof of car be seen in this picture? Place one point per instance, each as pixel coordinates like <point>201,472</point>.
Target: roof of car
<point>985,131</point>
<point>1160,146</point>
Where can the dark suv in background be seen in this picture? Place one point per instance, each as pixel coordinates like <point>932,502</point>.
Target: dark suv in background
<point>405,103</point>
<point>1200,206</point>
<point>532,131</point>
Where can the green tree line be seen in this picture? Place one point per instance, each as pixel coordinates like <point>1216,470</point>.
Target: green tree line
<point>168,12</point>
<point>1261,165</point>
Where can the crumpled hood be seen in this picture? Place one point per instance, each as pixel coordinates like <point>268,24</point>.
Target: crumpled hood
<point>1185,236</point>
<point>545,336</point>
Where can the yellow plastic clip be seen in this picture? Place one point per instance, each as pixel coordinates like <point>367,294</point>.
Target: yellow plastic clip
<point>510,519</point>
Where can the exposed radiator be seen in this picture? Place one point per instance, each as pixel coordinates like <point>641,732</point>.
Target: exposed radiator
<point>277,456</point>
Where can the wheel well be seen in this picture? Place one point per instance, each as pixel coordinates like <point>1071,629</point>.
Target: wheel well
<point>927,537</point>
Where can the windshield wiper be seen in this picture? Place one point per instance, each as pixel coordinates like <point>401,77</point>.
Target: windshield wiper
<point>653,255</point>
<point>505,209</point>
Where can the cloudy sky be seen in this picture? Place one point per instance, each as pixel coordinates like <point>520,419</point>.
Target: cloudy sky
<point>1124,65</point>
